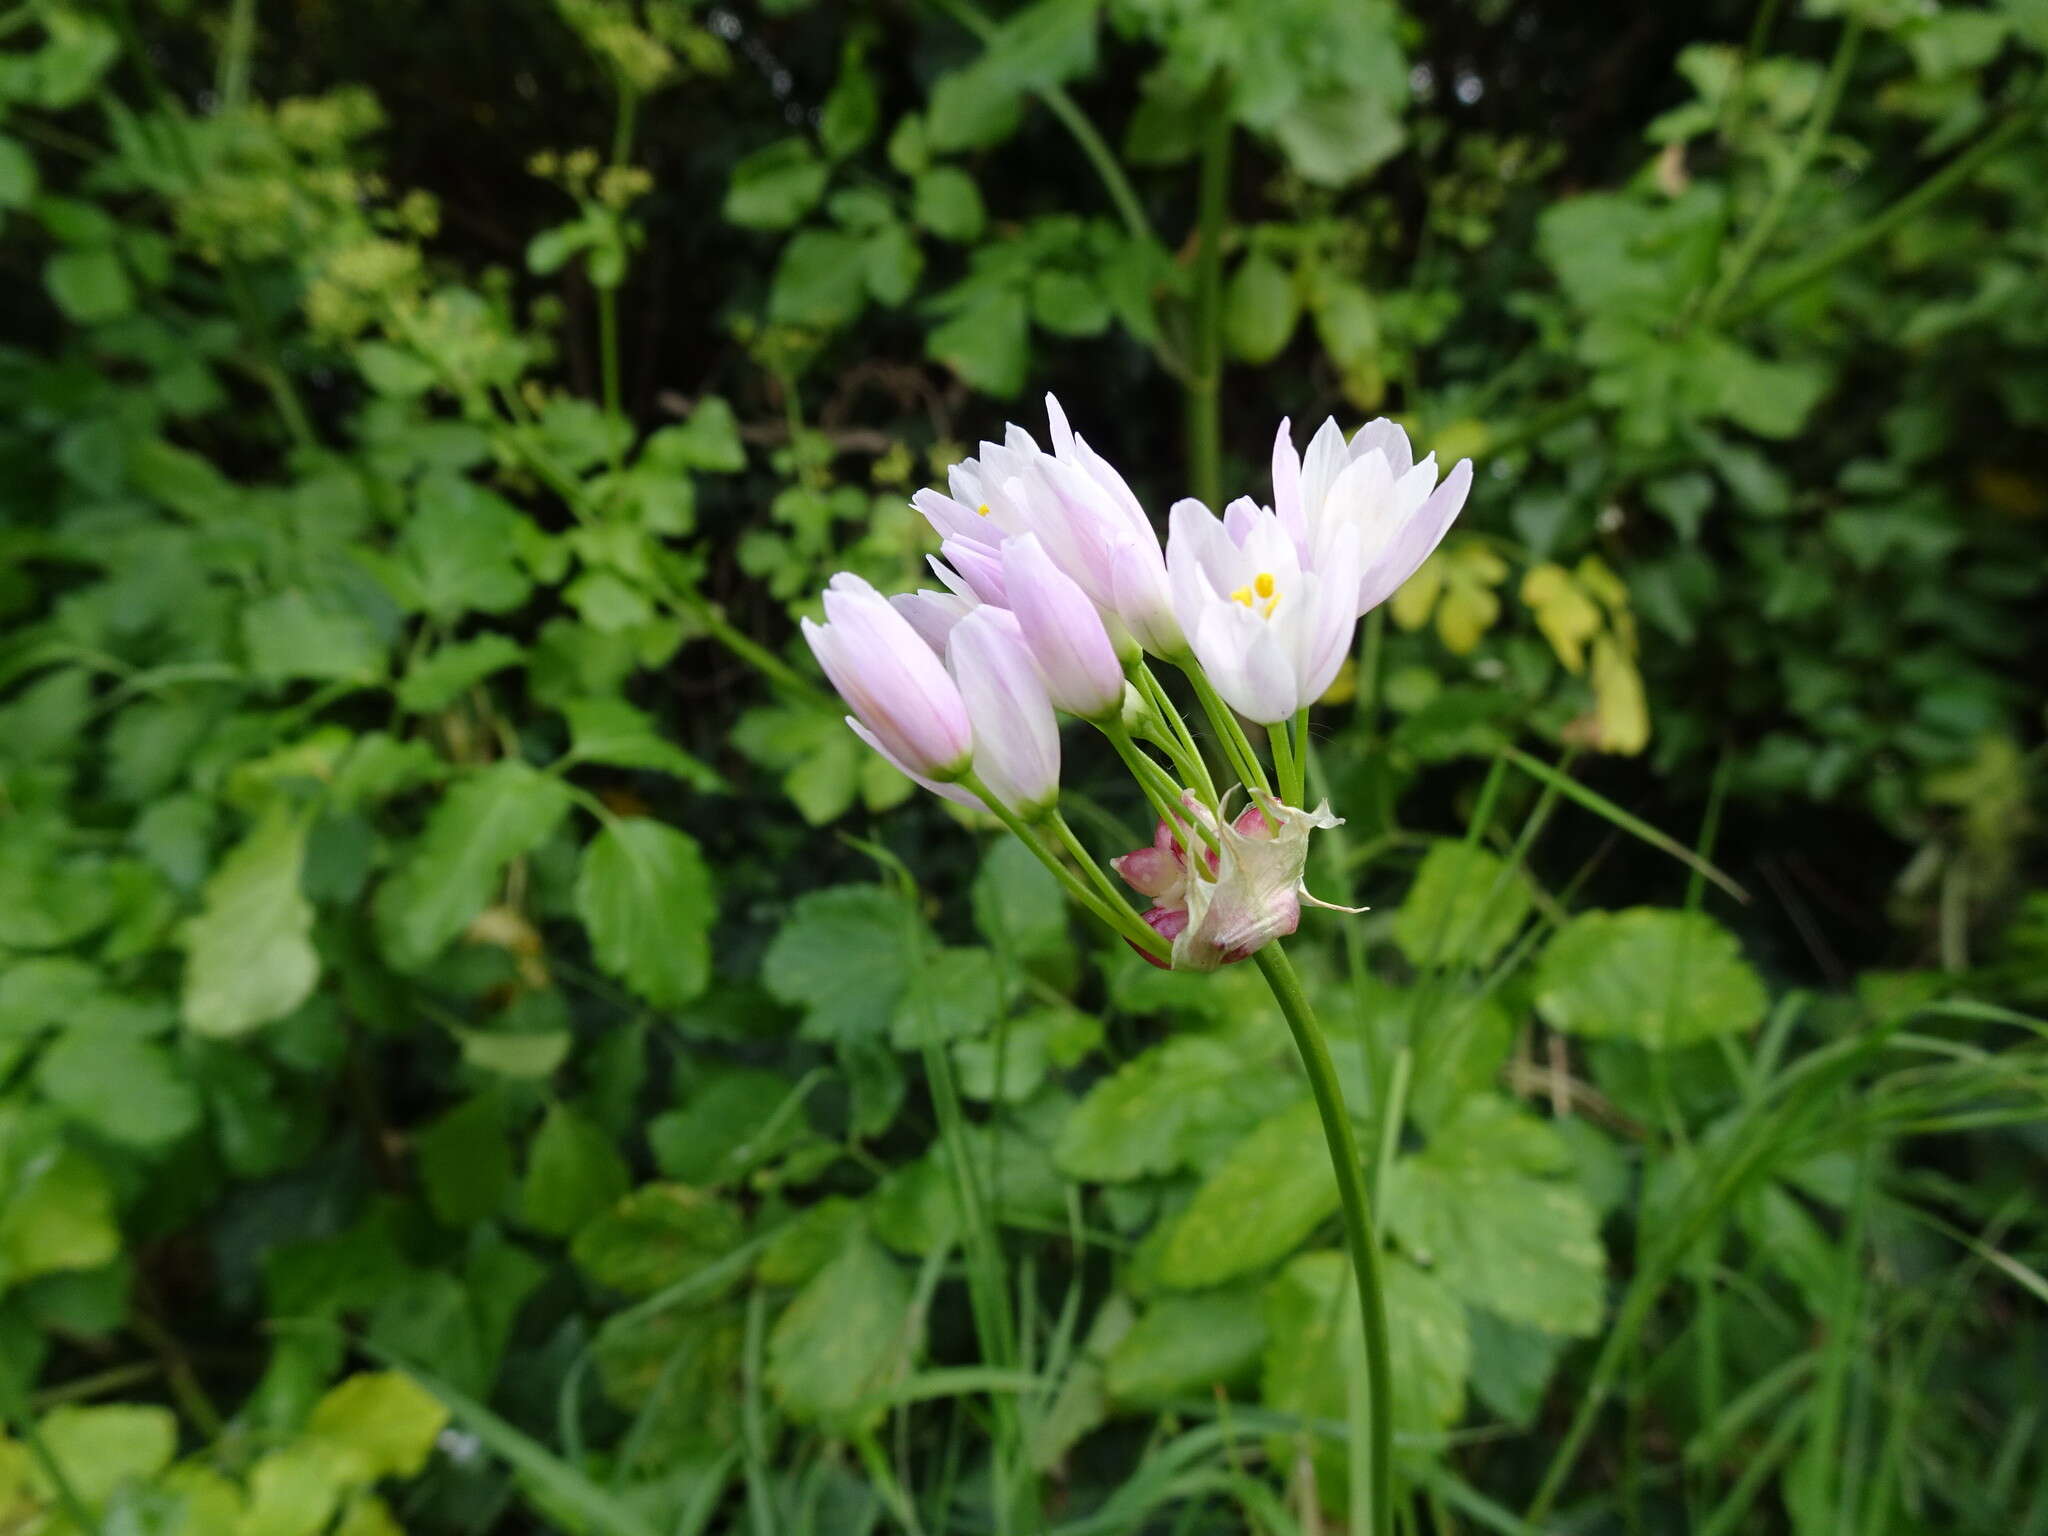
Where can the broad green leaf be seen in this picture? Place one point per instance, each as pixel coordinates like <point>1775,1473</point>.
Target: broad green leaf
<point>384,1421</point>
<point>89,285</point>
<point>945,201</point>
<point>1018,905</point>
<point>100,1447</point>
<point>953,994</point>
<point>58,1215</point>
<point>679,1372</point>
<point>449,875</point>
<point>129,1091</point>
<point>1512,1364</point>
<point>708,439</point>
<point>844,1339</point>
<point>1315,1351</point>
<point>988,343</point>
<point>645,894</point>
<point>292,634</point>
<point>1260,309</point>
<point>774,187</point>
<point>1068,303</point>
<point>613,732</point>
<point>1659,977</point>
<point>1336,137</point>
<point>572,1173</point>
<point>249,956</point>
<point>656,1236</point>
<point>845,956</point>
<point>457,552</point>
<point>1464,907</point>
<point>17,173</point>
<point>1269,1193</point>
<point>820,281</point>
<point>1167,1109</point>
<point>436,682</point>
<point>1188,1346</point>
<point>1479,1208</point>
<point>466,1162</point>
<point>730,1125</point>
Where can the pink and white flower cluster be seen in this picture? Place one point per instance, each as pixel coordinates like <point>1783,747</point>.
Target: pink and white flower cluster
<point>1054,587</point>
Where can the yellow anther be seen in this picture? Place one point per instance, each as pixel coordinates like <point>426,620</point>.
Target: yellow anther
<point>1264,584</point>
<point>982,510</point>
<point>1242,595</point>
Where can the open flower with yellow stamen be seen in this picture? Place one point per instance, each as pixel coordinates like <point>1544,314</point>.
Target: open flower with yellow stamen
<point>1270,632</point>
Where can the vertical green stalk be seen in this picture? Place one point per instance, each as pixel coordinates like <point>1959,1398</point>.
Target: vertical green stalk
<point>1237,747</point>
<point>1205,379</point>
<point>1358,1223</point>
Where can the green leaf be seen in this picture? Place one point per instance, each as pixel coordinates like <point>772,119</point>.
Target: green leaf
<point>892,264</point>
<point>774,187</point>
<point>100,1448</point>
<point>656,1236</point>
<point>1069,304</point>
<point>18,177</point>
<point>1260,309</point>
<point>1316,1347</point>
<point>988,343</point>
<point>393,370</point>
<point>820,282</point>
<point>1336,137</point>
<point>1512,1364</point>
<point>129,1091</point>
<point>466,1162</point>
<point>1659,977</point>
<point>1162,1110</point>
<point>613,732</point>
<point>1018,905</point>
<point>645,895</point>
<point>738,1119</point>
<point>845,956</point>
<point>1464,907</point>
<point>1269,1193</point>
<point>953,994</point>
<point>292,635</point>
<point>56,1214</point>
<point>89,285</point>
<point>572,1173</point>
<point>843,1340</point>
<point>458,552</point>
<point>384,1422</point>
<point>853,108</point>
<point>451,872</point>
<point>436,682</point>
<point>1479,1208</point>
<point>708,439</point>
<point>970,111</point>
<point>1188,1346</point>
<point>249,956</point>
<point>945,201</point>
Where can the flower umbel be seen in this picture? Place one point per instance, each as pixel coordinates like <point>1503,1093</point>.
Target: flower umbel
<point>1054,586</point>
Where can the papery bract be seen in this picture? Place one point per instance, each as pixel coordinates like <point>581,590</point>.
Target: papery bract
<point>1064,631</point>
<point>904,701</point>
<point>1269,631</point>
<point>1236,898</point>
<point>1371,485</point>
<point>1016,738</point>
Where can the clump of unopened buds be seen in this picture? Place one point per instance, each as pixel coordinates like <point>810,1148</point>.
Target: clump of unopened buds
<point>1056,595</point>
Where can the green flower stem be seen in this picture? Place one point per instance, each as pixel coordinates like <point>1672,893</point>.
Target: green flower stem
<point>1159,789</point>
<point>1118,916</point>
<point>1237,747</point>
<point>1286,764</point>
<point>1078,852</point>
<point>1759,234</point>
<point>1205,381</point>
<point>1075,121</point>
<point>1358,1224</point>
<point>1187,757</point>
<point>1800,271</point>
